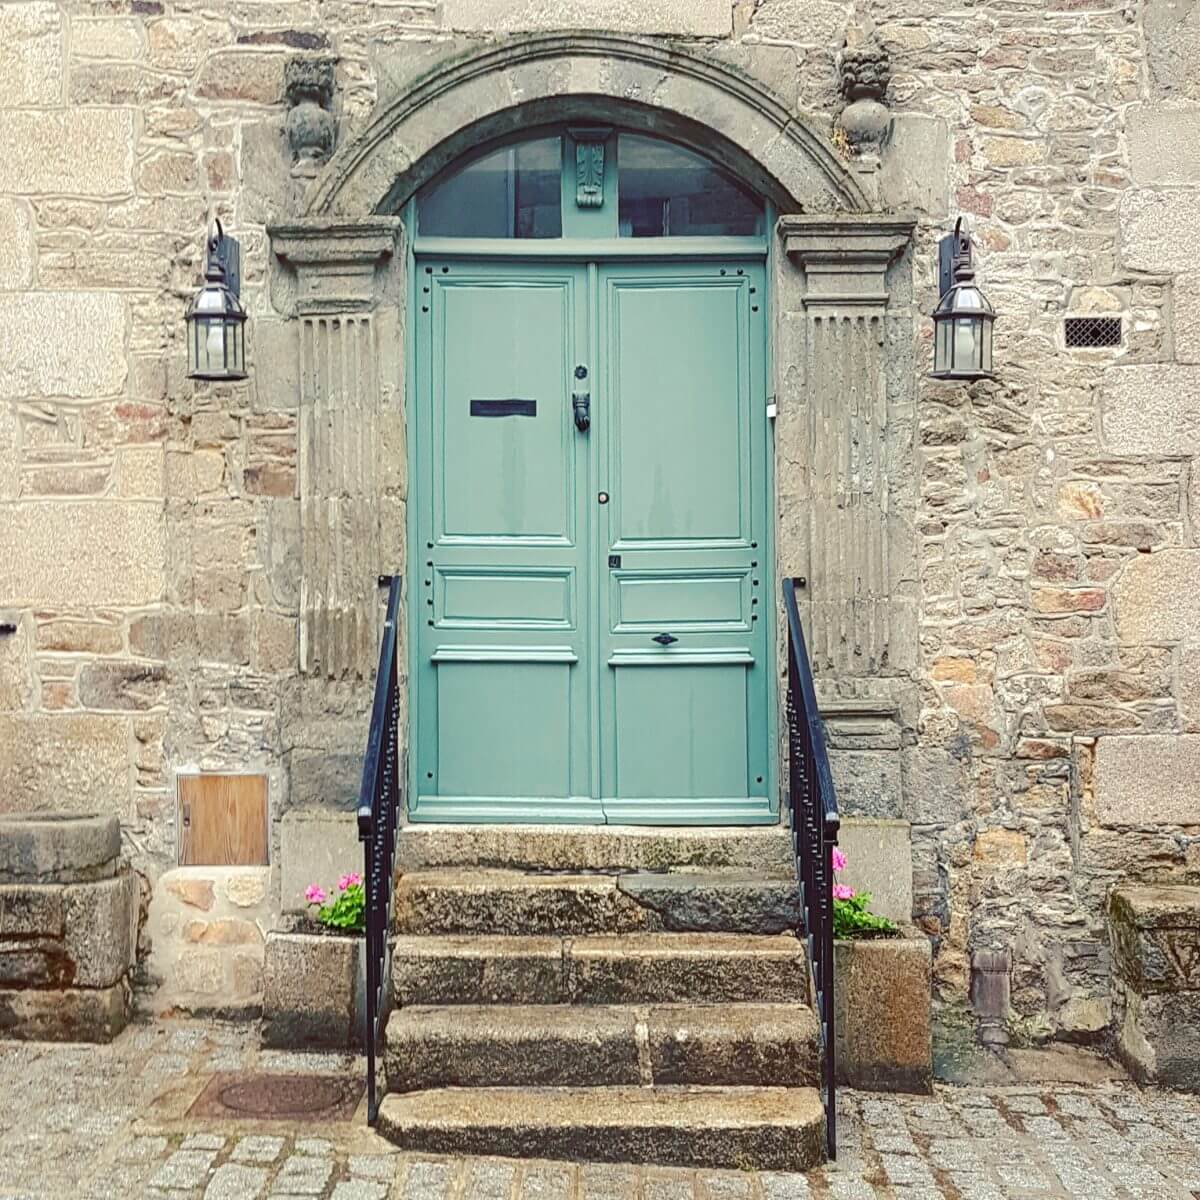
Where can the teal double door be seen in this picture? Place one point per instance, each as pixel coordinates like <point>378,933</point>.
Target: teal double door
<point>589,584</point>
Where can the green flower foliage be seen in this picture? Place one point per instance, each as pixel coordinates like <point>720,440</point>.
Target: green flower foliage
<point>852,919</point>
<point>346,910</point>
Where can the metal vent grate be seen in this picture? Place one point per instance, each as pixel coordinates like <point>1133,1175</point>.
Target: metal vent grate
<point>1090,333</point>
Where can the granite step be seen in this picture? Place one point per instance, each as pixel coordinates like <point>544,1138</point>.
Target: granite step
<point>703,968</point>
<point>485,901</point>
<point>608,848</point>
<point>541,1045</point>
<point>772,1129</point>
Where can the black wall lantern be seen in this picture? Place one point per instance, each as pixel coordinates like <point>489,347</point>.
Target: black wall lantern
<point>216,320</point>
<point>962,322</point>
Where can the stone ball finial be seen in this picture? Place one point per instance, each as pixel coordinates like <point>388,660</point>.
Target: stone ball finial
<point>311,129</point>
<point>864,71</point>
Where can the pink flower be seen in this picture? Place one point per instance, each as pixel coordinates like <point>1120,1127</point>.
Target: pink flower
<point>842,891</point>
<point>314,894</point>
<point>839,861</point>
<point>348,881</point>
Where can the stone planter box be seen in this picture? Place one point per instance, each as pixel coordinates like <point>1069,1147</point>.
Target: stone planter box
<point>314,990</point>
<point>883,1012</point>
<point>68,928</point>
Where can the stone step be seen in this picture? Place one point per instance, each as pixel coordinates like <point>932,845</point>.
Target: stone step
<point>514,902</point>
<point>547,1045</point>
<point>609,848</point>
<point>776,1129</point>
<point>634,968</point>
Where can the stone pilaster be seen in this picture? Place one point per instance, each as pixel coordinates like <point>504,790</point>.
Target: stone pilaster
<point>843,437</point>
<point>340,281</point>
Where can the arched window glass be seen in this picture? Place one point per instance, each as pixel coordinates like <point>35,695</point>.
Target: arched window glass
<point>515,192</point>
<point>666,191</point>
<point>588,182</point>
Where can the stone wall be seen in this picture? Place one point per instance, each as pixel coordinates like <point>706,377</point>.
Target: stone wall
<point>1038,721</point>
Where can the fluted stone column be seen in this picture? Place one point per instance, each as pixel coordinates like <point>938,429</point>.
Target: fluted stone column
<point>838,440</point>
<point>342,283</point>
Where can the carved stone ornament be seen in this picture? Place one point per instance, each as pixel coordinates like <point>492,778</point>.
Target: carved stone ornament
<point>864,70</point>
<point>310,125</point>
<point>589,166</point>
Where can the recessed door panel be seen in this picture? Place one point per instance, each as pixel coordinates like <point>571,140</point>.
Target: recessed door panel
<point>512,599</point>
<point>678,424</point>
<point>681,731</point>
<point>505,435</point>
<point>490,746</point>
<point>696,600</point>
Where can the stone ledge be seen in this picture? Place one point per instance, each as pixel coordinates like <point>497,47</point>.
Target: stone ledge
<point>57,848</point>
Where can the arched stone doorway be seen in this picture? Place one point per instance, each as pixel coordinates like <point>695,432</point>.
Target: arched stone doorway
<point>839,345</point>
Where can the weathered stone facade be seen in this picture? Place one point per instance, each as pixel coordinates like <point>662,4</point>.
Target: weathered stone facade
<point>1015,670</point>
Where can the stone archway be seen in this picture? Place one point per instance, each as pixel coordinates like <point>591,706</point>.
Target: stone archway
<point>483,95</point>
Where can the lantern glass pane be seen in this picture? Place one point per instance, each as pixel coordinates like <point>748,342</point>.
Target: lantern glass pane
<point>967,351</point>
<point>987,346</point>
<point>941,347</point>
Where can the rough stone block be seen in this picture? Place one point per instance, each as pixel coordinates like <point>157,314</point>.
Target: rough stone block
<point>53,848</point>
<point>62,343</point>
<point>84,152</point>
<point>882,999</point>
<point>879,860</point>
<point>915,168</point>
<point>487,970</point>
<point>315,846</point>
<point>71,1015</point>
<point>807,22</point>
<point>112,552</point>
<point>1151,408</point>
<point>1159,1040</point>
<point>1185,313</point>
<point>101,929</point>
<point>720,902</point>
<point>313,991</point>
<point>1160,230</point>
<point>31,53</point>
<point>64,762</point>
<point>16,245</point>
<point>868,782</point>
<point>699,18</point>
<point>1155,935</point>
<point>1172,32</point>
<point>1147,779</point>
<point>1164,142</point>
<point>31,911</point>
<point>1156,600</point>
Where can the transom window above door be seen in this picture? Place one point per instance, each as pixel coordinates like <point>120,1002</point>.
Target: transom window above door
<point>589,182</point>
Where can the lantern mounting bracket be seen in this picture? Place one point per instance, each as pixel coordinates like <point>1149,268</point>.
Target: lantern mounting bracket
<point>954,255</point>
<point>225,253</point>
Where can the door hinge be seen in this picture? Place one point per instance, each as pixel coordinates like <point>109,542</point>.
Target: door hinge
<point>772,409</point>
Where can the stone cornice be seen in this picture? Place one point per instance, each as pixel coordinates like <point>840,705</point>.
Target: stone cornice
<point>335,261</point>
<point>845,256</point>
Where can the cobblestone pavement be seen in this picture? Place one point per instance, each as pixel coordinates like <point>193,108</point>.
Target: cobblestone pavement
<point>109,1122</point>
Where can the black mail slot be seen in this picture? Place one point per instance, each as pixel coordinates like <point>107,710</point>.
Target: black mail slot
<point>504,408</point>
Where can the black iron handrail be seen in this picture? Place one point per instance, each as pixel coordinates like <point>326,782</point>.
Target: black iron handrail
<point>378,816</point>
<point>813,810</point>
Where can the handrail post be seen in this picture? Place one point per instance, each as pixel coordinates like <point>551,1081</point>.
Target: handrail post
<point>378,818</point>
<point>815,825</point>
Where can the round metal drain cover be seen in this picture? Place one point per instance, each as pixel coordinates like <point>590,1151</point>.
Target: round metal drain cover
<point>286,1095</point>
